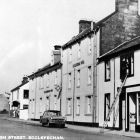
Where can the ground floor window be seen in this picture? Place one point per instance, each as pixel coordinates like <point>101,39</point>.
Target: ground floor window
<point>78,106</point>
<point>107,105</point>
<point>138,107</point>
<point>69,106</point>
<point>88,104</point>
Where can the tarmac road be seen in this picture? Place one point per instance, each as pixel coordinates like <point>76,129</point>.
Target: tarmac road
<point>9,129</point>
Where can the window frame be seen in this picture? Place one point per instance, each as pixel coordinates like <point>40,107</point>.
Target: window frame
<point>69,80</point>
<point>107,69</point>
<point>106,95</point>
<point>78,78</point>
<point>77,106</point>
<point>89,75</point>
<point>69,106</point>
<point>24,94</point>
<point>129,57</point>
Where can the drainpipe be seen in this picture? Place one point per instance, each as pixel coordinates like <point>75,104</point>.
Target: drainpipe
<point>73,93</point>
<point>35,96</point>
<point>94,77</point>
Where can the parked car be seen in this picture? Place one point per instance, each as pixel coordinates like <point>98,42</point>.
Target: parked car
<point>52,117</point>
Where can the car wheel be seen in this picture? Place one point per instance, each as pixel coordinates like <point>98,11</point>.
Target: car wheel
<point>49,124</point>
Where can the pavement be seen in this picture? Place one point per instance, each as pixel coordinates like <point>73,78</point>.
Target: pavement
<point>82,128</point>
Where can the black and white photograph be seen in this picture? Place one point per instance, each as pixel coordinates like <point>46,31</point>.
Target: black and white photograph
<point>69,69</point>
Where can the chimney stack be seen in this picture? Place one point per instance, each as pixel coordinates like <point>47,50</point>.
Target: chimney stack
<point>124,6</point>
<point>85,24</point>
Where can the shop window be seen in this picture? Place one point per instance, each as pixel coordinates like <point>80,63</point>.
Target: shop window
<point>107,70</point>
<point>107,105</point>
<point>127,65</point>
<point>26,94</point>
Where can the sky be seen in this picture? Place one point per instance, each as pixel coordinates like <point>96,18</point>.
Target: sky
<point>30,28</point>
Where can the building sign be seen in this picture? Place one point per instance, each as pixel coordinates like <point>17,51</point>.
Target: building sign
<point>47,91</point>
<point>79,63</point>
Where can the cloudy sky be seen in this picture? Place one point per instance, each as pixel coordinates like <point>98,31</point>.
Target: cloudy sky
<point>30,28</point>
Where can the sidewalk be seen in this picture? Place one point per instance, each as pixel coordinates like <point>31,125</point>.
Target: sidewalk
<point>82,128</point>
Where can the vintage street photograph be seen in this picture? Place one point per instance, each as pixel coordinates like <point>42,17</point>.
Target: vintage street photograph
<point>69,69</point>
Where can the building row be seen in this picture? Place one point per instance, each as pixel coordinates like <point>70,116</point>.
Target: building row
<point>97,68</point>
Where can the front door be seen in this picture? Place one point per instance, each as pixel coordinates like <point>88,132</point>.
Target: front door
<point>132,112</point>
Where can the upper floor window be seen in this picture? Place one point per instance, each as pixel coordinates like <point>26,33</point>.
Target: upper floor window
<point>70,54</point>
<point>69,80</point>
<point>26,94</point>
<point>89,75</point>
<point>107,70</point>
<point>79,51</point>
<point>78,78</point>
<point>89,45</point>
<point>48,80</point>
<point>127,65</point>
<point>41,81</point>
<point>55,77</point>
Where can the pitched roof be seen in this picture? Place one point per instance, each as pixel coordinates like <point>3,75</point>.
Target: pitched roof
<point>127,45</point>
<point>45,69</point>
<point>18,87</point>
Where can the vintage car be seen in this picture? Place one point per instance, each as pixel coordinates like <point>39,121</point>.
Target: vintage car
<point>52,117</point>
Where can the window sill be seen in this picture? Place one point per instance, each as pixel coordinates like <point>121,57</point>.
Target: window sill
<point>89,84</point>
<point>78,86</point>
<point>107,80</point>
<point>88,114</point>
<point>77,114</point>
<point>68,114</point>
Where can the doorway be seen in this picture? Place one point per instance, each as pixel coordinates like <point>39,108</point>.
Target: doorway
<point>132,112</point>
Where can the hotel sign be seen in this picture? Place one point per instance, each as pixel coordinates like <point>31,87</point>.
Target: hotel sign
<point>79,63</point>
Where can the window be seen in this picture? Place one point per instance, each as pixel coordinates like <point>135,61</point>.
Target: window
<point>47,103</point>
<point>127,65</point>
<point>78,106</point>
<point>107,71</point>
<point>70,54</point>
<point>89,75</point>
<point>88,104</point>
<point>138,108</point>
<point>69,106</point>
<point>79,51</point>
<point>48,80</point>
<point>78,78</point>
<point>69,79</point>
<point>55,80</point>
<point>41,82</point>
<point>107,105</point>
<point>55,102</point>
<point>26,94</point>
<point>89,45</point>
<point>25,106</point>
